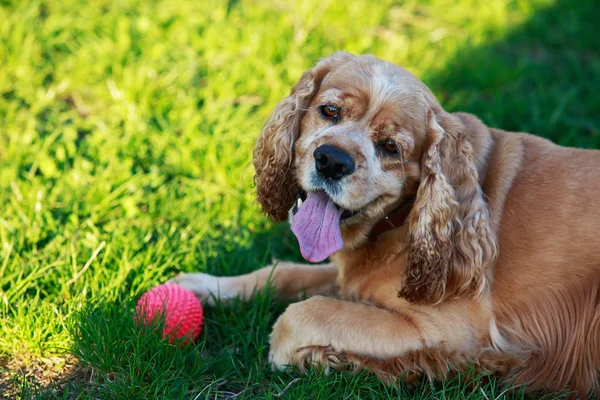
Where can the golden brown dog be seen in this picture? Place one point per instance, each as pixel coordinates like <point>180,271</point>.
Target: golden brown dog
<point>450,242</point>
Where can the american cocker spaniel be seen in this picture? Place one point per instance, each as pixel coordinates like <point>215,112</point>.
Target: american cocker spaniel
<point>451,243</point>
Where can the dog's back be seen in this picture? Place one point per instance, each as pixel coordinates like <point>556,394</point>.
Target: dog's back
<point>546,281</point>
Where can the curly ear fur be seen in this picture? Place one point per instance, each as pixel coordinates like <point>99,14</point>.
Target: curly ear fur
<point>451,240</point>
<point>276,184</point>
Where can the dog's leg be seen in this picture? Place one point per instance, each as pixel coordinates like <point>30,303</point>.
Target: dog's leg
<point>335,333</point>
<point>291,281</point>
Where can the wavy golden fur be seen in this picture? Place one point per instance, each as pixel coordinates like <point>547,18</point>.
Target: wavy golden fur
<point>450,236</point>
<point>497,263</point>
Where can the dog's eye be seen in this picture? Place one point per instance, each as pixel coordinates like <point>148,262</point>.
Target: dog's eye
<point>330,112</point>
<point>390,146</point>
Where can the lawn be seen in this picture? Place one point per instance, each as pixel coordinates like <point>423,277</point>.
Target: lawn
<point>126,132</point>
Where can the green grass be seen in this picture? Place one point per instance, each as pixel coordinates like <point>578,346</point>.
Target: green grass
<point>126,131</point>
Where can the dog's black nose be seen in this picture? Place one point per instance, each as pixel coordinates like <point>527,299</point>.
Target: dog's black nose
<point>333,162</point>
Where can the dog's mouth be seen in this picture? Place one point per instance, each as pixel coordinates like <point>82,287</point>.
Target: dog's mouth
<point>301,198</point>
<point>316,223</point>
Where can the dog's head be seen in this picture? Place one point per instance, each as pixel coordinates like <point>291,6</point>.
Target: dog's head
<point>355,139</point>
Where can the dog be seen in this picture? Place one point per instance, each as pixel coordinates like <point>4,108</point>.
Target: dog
<point>451,243</point>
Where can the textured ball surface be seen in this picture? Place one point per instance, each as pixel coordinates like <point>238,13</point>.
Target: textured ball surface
<point>181,309</point>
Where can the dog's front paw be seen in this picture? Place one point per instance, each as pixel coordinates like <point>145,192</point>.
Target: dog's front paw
<point>283,348</point>
<point>322,357</point>
<point>286,352</point>
<point>297,342</point>
<point>206,287</point>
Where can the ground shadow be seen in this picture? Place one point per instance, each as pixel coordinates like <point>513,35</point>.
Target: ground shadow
<point>542,77</point>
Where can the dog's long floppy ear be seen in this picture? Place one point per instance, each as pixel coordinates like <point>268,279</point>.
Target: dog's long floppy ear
<point>276,185</point>
<point>451,240</point>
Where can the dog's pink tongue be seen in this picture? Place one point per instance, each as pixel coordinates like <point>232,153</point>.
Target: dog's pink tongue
<point>317,227</point>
